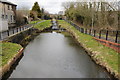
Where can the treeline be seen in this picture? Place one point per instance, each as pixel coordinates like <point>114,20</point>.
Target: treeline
<point>93,15</point>
<point>24,15</point>
<point>38,13</point>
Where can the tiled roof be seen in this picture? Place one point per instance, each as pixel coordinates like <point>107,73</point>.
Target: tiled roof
<point>7,2</point>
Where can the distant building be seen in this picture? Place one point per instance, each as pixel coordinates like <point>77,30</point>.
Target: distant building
<point>7,15</point>
<point>60,13</point>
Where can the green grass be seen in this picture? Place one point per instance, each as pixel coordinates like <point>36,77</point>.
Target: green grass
<point>33,22</point>
<point>43,25</point>
<point>105,54</point>
<point>7,51</point>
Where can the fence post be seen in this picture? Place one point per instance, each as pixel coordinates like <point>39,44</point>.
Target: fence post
<point>79,28</point>
<point>20,28</point>
<point>8,32</point>
<point>116,40</point>
<point>17,29</point>
<point>100,34</point>
<point>29,31</point>
<point>107,35</point>
<point>0,35</point>
<point>90,32</point>
<point>27,26</point>
<point>86,31</point>
<point>94,32</point>
<point>13,31</point>
<point>83,30</point>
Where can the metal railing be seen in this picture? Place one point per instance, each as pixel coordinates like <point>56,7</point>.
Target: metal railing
<point>108,35</point>
<point>10,32</point>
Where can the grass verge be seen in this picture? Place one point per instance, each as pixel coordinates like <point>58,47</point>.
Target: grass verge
<point>43,25</point>
<point>33,22</point>
<point>106,55</point>
<point>7,51</point>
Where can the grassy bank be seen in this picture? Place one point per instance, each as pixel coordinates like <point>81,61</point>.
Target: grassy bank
<point>7,51</point>
<point>33,22</point>
<point>43,25</point>
<point>105,55</point>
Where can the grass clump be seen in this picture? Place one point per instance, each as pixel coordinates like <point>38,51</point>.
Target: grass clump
<point>43,25</point>
<point>7,51</point>
<point>34,22</point>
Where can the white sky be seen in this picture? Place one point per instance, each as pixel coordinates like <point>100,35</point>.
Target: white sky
<point>52,6</point>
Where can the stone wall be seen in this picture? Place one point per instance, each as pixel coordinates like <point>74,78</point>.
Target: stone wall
<point>7,66</point>
<point>23,38</point>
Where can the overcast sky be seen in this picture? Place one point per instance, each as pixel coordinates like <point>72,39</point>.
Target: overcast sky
<point>52,6</point>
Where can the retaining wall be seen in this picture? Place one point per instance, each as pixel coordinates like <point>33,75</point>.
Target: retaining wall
<point>7,66</point>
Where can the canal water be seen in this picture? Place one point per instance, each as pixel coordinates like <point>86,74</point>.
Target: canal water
<point>56,55</point>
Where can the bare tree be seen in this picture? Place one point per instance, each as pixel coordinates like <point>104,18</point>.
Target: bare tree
<point>97,15</point>
<point>22,15</point>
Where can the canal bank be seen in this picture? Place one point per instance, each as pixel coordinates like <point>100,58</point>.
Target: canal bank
<point>24,37</point>
<point>56,55</point>
<point>21,39</point>
<point>51,36</point>
<point>10,52</point>
<point>94,49</point>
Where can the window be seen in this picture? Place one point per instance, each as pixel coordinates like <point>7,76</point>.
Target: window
<point>11,18</point>
<point>8,7</point>
<point>13,8</point>
<point>6,17</point>
<point>2,16</point>
<point>14,17</point>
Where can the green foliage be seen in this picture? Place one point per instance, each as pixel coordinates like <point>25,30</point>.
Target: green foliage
<point>8,50</point>
<point>43,25</point>
<point>36,7</point>
<point>36,11</point>
<point>33,22</point>
<point>42,10</point>
<point>95,15</point>
<point>46,16</point>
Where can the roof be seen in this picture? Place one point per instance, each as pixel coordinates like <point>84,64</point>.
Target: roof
<point>7,2</point>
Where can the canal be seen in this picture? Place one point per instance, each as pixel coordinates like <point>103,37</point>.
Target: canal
<point>56,55</point>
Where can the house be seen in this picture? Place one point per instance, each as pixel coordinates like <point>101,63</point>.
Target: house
<point>60,13</point>
<point>7,15</point>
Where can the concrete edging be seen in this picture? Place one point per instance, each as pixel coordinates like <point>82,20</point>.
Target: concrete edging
<point>7,66</point>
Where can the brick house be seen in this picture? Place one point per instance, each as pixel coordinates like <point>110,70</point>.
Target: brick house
<point>7,15</point>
